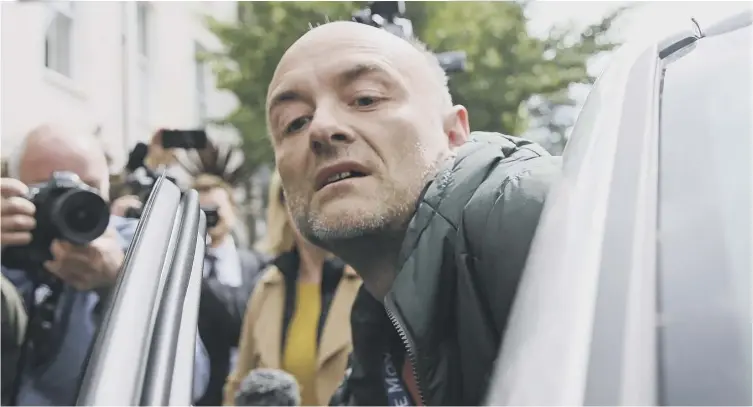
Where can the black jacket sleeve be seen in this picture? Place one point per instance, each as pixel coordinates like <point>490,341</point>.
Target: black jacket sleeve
<point>501,221</point>
<point>226,305</point>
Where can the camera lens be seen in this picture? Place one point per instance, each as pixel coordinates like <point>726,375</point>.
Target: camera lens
<point>80,216</point>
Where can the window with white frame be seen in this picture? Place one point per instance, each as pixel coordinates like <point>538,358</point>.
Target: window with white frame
<point>58,40</point>
<point>143,36</point>
<point>201,85</point>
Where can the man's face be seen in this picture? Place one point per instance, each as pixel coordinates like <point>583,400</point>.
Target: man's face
<point>218,198</point>
<point>348,100</point>
<point>42,159</point>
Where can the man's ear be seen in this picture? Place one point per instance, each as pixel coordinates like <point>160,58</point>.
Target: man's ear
<point>457,127</point>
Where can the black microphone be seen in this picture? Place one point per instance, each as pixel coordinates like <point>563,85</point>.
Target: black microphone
<point>268,387</point>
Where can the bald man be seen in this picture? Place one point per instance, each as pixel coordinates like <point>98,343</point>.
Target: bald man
<point>381,168</point>
<point>45,150</point>
<point>88,272</point>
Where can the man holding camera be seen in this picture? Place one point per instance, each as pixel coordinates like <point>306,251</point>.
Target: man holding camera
<point>55,223</point>
<point>229,276</point>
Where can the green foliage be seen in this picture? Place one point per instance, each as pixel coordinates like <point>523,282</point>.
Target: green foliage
<point>507,68</point>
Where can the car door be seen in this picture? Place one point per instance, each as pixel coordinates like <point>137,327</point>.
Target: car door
<point>587,261</point>
<point>637,290</point>
<point>704,223</point>
<point>144,351</point>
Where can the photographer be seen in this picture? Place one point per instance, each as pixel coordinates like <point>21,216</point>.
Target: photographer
<point>79,276</point>
<point>229,274</point>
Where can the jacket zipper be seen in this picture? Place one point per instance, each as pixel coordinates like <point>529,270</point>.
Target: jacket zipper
<point>406,341</point>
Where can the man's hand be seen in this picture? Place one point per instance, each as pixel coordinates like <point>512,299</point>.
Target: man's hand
<point>121,205</point>
<point>91,267</point>
<point>16,213</point>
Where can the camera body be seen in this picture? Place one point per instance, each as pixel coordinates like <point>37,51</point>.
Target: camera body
<point>184,139</point>
<point>140,183</point>
<point>388,15</point>
<point>141,186</point>
<point>66,209</point>
<point>212,215</point>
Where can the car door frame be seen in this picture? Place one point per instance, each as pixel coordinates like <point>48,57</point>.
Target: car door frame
<point>150,321</point>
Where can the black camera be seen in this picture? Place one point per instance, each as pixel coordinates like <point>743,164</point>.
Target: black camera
<point>140,183</point>
<point>388,15</point>
<point>141,186</point>
<point>213,216</point>
<point>185,139</point>
<point>66,209</point>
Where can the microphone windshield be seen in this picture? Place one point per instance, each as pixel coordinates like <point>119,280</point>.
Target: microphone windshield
<point>268,387</point>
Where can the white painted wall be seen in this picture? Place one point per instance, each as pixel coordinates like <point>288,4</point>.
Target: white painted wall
<point>100,86</point>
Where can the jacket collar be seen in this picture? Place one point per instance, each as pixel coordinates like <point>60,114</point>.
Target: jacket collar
<point>287,263</point>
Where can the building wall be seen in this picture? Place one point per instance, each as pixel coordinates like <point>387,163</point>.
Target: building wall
<point>105,87</point>
<point>111,86</point>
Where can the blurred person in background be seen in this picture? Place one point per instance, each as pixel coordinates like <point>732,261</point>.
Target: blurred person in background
<point>51,373</point>
<point>229,275</point>
<point>298,317</point>
<point>157,158</point>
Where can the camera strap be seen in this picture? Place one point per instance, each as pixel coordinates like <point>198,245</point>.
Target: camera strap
<point>25,345</point>
<point>48,329</point>
<point>35,347</point>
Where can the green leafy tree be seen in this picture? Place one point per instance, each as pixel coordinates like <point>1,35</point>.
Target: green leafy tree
<point>513,79</point>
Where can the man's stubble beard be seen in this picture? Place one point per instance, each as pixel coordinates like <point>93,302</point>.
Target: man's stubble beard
<point>386,217</point>
<point>389,219</point>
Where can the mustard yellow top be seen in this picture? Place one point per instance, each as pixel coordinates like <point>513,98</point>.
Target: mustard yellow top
<point>299,356</point>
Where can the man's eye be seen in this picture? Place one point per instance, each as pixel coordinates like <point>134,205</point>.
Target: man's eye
<point>365,101</point>
<point>297,124</point>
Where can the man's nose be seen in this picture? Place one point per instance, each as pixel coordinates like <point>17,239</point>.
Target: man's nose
<point>326,132</point>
